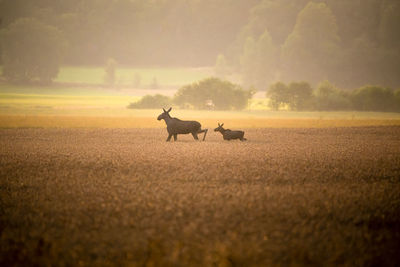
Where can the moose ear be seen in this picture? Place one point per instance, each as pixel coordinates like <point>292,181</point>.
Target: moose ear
<point>222,124</point>
<point>218,124</point>
<point>164,110</point>
<point>169,109</point>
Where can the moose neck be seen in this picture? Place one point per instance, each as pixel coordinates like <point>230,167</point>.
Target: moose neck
<point>222,130</point>
<point>167,119</point>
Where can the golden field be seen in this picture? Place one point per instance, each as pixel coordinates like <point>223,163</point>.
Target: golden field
<point>71,121</point>
<point>125,197</point>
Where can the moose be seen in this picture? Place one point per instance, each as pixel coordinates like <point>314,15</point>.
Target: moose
<point>228,134</point>
<point>176,126</point>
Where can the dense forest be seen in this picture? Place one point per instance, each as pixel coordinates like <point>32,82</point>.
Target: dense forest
<point>348,42</point>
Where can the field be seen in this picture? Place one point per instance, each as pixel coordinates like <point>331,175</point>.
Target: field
<point>86,181</point>
<point>95,197</point>
<point>29,106</point>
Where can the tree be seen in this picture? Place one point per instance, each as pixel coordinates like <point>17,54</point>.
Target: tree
<point>151,101</point>
<point>267,60</point>
<point>248,61</point>
<point>278,94</point>
<point>296,95</point>
<point>31,50</point>
<point>311,51</point>
<point>374,98</point>
<point>300,96</point>
<point>329,97</point>
<point>223,95</point>
<point>259,61</point>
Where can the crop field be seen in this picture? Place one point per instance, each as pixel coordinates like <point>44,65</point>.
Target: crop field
<point>125,197</point>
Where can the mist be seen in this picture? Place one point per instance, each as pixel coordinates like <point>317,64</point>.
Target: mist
<point>349,43</point>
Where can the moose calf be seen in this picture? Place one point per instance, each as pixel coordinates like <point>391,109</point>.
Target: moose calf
<point>228,134</point>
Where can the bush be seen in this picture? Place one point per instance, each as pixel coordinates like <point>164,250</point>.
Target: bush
<point>213,93</point>
<point>328,97</point>
<point>300,96</point>
<point>278,95</point>
<point>31,50</point>
<point>151,101</point>
<point>373,98</point>
<point>297,95</point>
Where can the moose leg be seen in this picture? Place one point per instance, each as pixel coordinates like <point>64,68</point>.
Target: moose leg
<point>242,137</point>
<point>175,137</point>
<point>195,136</point>
<point>169,137</point>
<point>205,133</point>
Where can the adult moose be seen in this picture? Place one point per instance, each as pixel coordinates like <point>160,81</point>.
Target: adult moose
<point>228,134</point>
<point>176,126</point>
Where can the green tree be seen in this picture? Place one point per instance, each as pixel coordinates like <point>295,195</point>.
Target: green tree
<point>266,61</point>
<point>300,96</point>
<point>151,101</point>
<point>31,51</point>
<point>374,98</point>
<point>296,95</point>
<point>278,94</point>
<point>329,97</point>
<point>311,51</point>
<point>259,61</point>
<point>278,16</point>
<point>223,95</point>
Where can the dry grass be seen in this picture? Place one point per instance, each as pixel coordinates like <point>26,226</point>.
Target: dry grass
<point>102,121</point>
<point>126,197</point>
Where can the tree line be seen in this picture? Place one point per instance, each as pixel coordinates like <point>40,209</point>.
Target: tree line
<point>209,93</point>
<point>214,93</point>
<point>327,97</point>
<point>350,42</point>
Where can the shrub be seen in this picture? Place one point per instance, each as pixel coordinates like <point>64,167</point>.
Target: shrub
<point>329,97</point>
<point>297,95</point>
<point>151,101</point>
<point>278,94</point>
<point>213,92</point>
<point>300,96</point>
<point>373,98</point>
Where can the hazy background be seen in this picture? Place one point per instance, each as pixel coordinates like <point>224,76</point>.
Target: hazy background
<point>349,42</point>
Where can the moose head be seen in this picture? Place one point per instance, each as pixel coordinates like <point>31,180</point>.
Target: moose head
<point>164,115</point>
<point>219,128</point>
